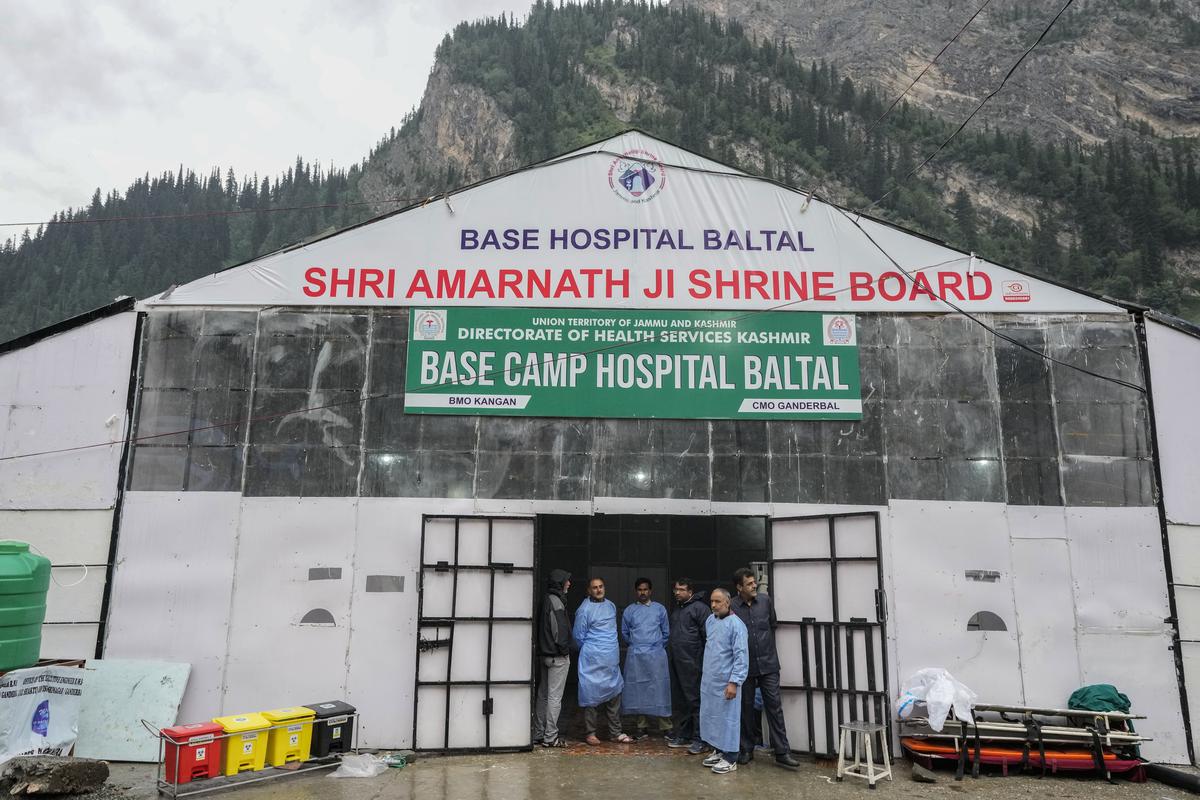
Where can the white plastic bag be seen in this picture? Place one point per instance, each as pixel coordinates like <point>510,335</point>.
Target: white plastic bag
<point>363,765</point>
<point>939,691</point>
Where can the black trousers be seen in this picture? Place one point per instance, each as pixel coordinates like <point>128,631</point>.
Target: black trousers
<point>685,701</point>
<point>772,707</point>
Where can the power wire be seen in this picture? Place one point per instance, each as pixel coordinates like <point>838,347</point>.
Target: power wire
<point>928,67</point>
<point>213,213</point>
<point>984,325</point>
<point>978,108</point>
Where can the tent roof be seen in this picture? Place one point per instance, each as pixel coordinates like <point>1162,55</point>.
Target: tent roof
<point>579,190</point>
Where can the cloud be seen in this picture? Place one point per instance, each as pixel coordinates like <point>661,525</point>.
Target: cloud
<point>97,94</point>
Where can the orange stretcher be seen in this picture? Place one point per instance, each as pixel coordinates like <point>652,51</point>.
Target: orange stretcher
<point>1056,758</point>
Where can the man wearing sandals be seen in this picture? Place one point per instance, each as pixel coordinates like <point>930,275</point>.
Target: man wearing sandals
<point>600,681</point>
<point>554,660</point>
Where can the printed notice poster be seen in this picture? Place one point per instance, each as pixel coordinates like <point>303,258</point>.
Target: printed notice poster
<point>39,711</point>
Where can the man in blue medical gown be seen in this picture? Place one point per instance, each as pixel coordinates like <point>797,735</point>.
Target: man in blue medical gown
<point>726,662</point>
<point>645,628</point>
<point>600,682</point>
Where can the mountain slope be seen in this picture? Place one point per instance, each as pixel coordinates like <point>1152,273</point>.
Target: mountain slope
<point>1108,66</point>
<point>1122,217</point>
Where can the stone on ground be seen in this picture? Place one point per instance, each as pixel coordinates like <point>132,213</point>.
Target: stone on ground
<point>922,775</point>
<point>52,775</point>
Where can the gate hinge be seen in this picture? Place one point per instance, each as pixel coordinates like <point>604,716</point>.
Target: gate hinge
<point>488,706</point>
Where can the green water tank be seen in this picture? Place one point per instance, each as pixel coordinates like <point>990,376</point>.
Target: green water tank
<point>24,579</point>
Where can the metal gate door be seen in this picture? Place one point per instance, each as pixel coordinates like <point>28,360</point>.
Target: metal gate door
<point>826,578</point>
<point>474,634</point>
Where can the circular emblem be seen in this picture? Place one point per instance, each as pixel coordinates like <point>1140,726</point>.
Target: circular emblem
<point>430,326</point>
<point>637,176</point>
<point>839,330</point>
<point>1016,287</point>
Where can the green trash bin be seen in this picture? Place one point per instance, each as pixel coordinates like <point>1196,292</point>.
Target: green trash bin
<point>24,579</point>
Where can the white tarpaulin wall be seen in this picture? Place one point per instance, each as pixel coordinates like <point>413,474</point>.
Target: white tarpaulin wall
<point>67,390</point>
<point>603,229</point>
<point>1175,385</point>
<point>226,583</point>
<point>1081,591</point>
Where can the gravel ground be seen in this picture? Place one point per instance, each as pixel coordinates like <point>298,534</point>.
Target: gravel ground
<point>613,772</point>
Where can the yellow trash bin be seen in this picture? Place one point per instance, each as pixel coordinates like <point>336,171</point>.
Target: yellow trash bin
<point>291,739</point>
<point>246,747</point>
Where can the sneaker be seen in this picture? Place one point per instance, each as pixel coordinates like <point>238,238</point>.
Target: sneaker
<point>713,759</point>
<point>723,766</point>
<point>641,736</point>
<point>696,748</point>
<point>677,743</point>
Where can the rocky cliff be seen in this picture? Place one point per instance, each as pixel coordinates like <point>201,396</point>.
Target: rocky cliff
<point>1107,66</point>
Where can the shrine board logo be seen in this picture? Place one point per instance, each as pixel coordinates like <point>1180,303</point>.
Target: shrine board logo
<point>430,326</point>
<point>839,329</point>
<point>637,176</point>
<point>1016,291</point>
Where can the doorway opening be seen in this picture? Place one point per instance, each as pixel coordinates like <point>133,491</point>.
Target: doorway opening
<point>620,548</point>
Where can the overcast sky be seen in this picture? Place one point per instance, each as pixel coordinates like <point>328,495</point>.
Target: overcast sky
<point>96,94</point>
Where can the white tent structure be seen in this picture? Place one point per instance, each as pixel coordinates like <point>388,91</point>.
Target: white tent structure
<point>293,523</point>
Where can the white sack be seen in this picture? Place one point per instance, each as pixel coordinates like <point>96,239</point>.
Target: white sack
<point>939,691</point>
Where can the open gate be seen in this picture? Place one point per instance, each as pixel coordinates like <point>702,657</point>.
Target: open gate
<point>825,575</point>
<point>474,671</point>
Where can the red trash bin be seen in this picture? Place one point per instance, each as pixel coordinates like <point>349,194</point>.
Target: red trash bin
<point>195,748</point>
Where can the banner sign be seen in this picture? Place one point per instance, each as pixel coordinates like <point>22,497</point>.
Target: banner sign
<point>39,711</point>
<point>634,223</point>
<point>643,364</point>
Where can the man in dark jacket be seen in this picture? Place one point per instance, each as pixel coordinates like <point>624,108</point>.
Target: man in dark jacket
<point>554,659</point>
<point>685,646</point>
<point>758,613</point>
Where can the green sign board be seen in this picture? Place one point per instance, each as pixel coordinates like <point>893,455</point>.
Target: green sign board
<point>536,362</point>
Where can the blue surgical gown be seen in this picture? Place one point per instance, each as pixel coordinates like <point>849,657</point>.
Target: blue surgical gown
<point>595,633</point>
<point>647,675</point>
<point>726,660</point>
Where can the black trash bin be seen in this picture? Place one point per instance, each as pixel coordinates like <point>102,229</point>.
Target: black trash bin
<point>333,730</point>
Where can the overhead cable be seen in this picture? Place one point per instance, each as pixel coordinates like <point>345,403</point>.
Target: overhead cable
<point>978,108</point>
<point>984,325</point>
<point>928,67</point>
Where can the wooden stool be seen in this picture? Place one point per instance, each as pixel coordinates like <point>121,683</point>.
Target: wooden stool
<point>866,734</point>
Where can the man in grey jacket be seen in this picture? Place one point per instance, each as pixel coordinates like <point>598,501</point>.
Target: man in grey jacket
<point>554,660</point>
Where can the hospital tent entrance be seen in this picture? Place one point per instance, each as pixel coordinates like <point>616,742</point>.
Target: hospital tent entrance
<point>482,579</point>
<point>620,548</point>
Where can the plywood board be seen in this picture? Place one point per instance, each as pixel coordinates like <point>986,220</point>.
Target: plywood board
<point>69,641</point>
<point>1176,385</point>
<point>119,695</point>
<point>1142,666</point>
<point>64,537</point>
<point>276,657</point>
<point>1045,621</point>
<point>934,544</point>
<point>172,586</point>
<point>64,391</point>
<point>1117,567</point>
<point>383,630</point>
<point>1037,522</point>
<point>1185,553</point>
